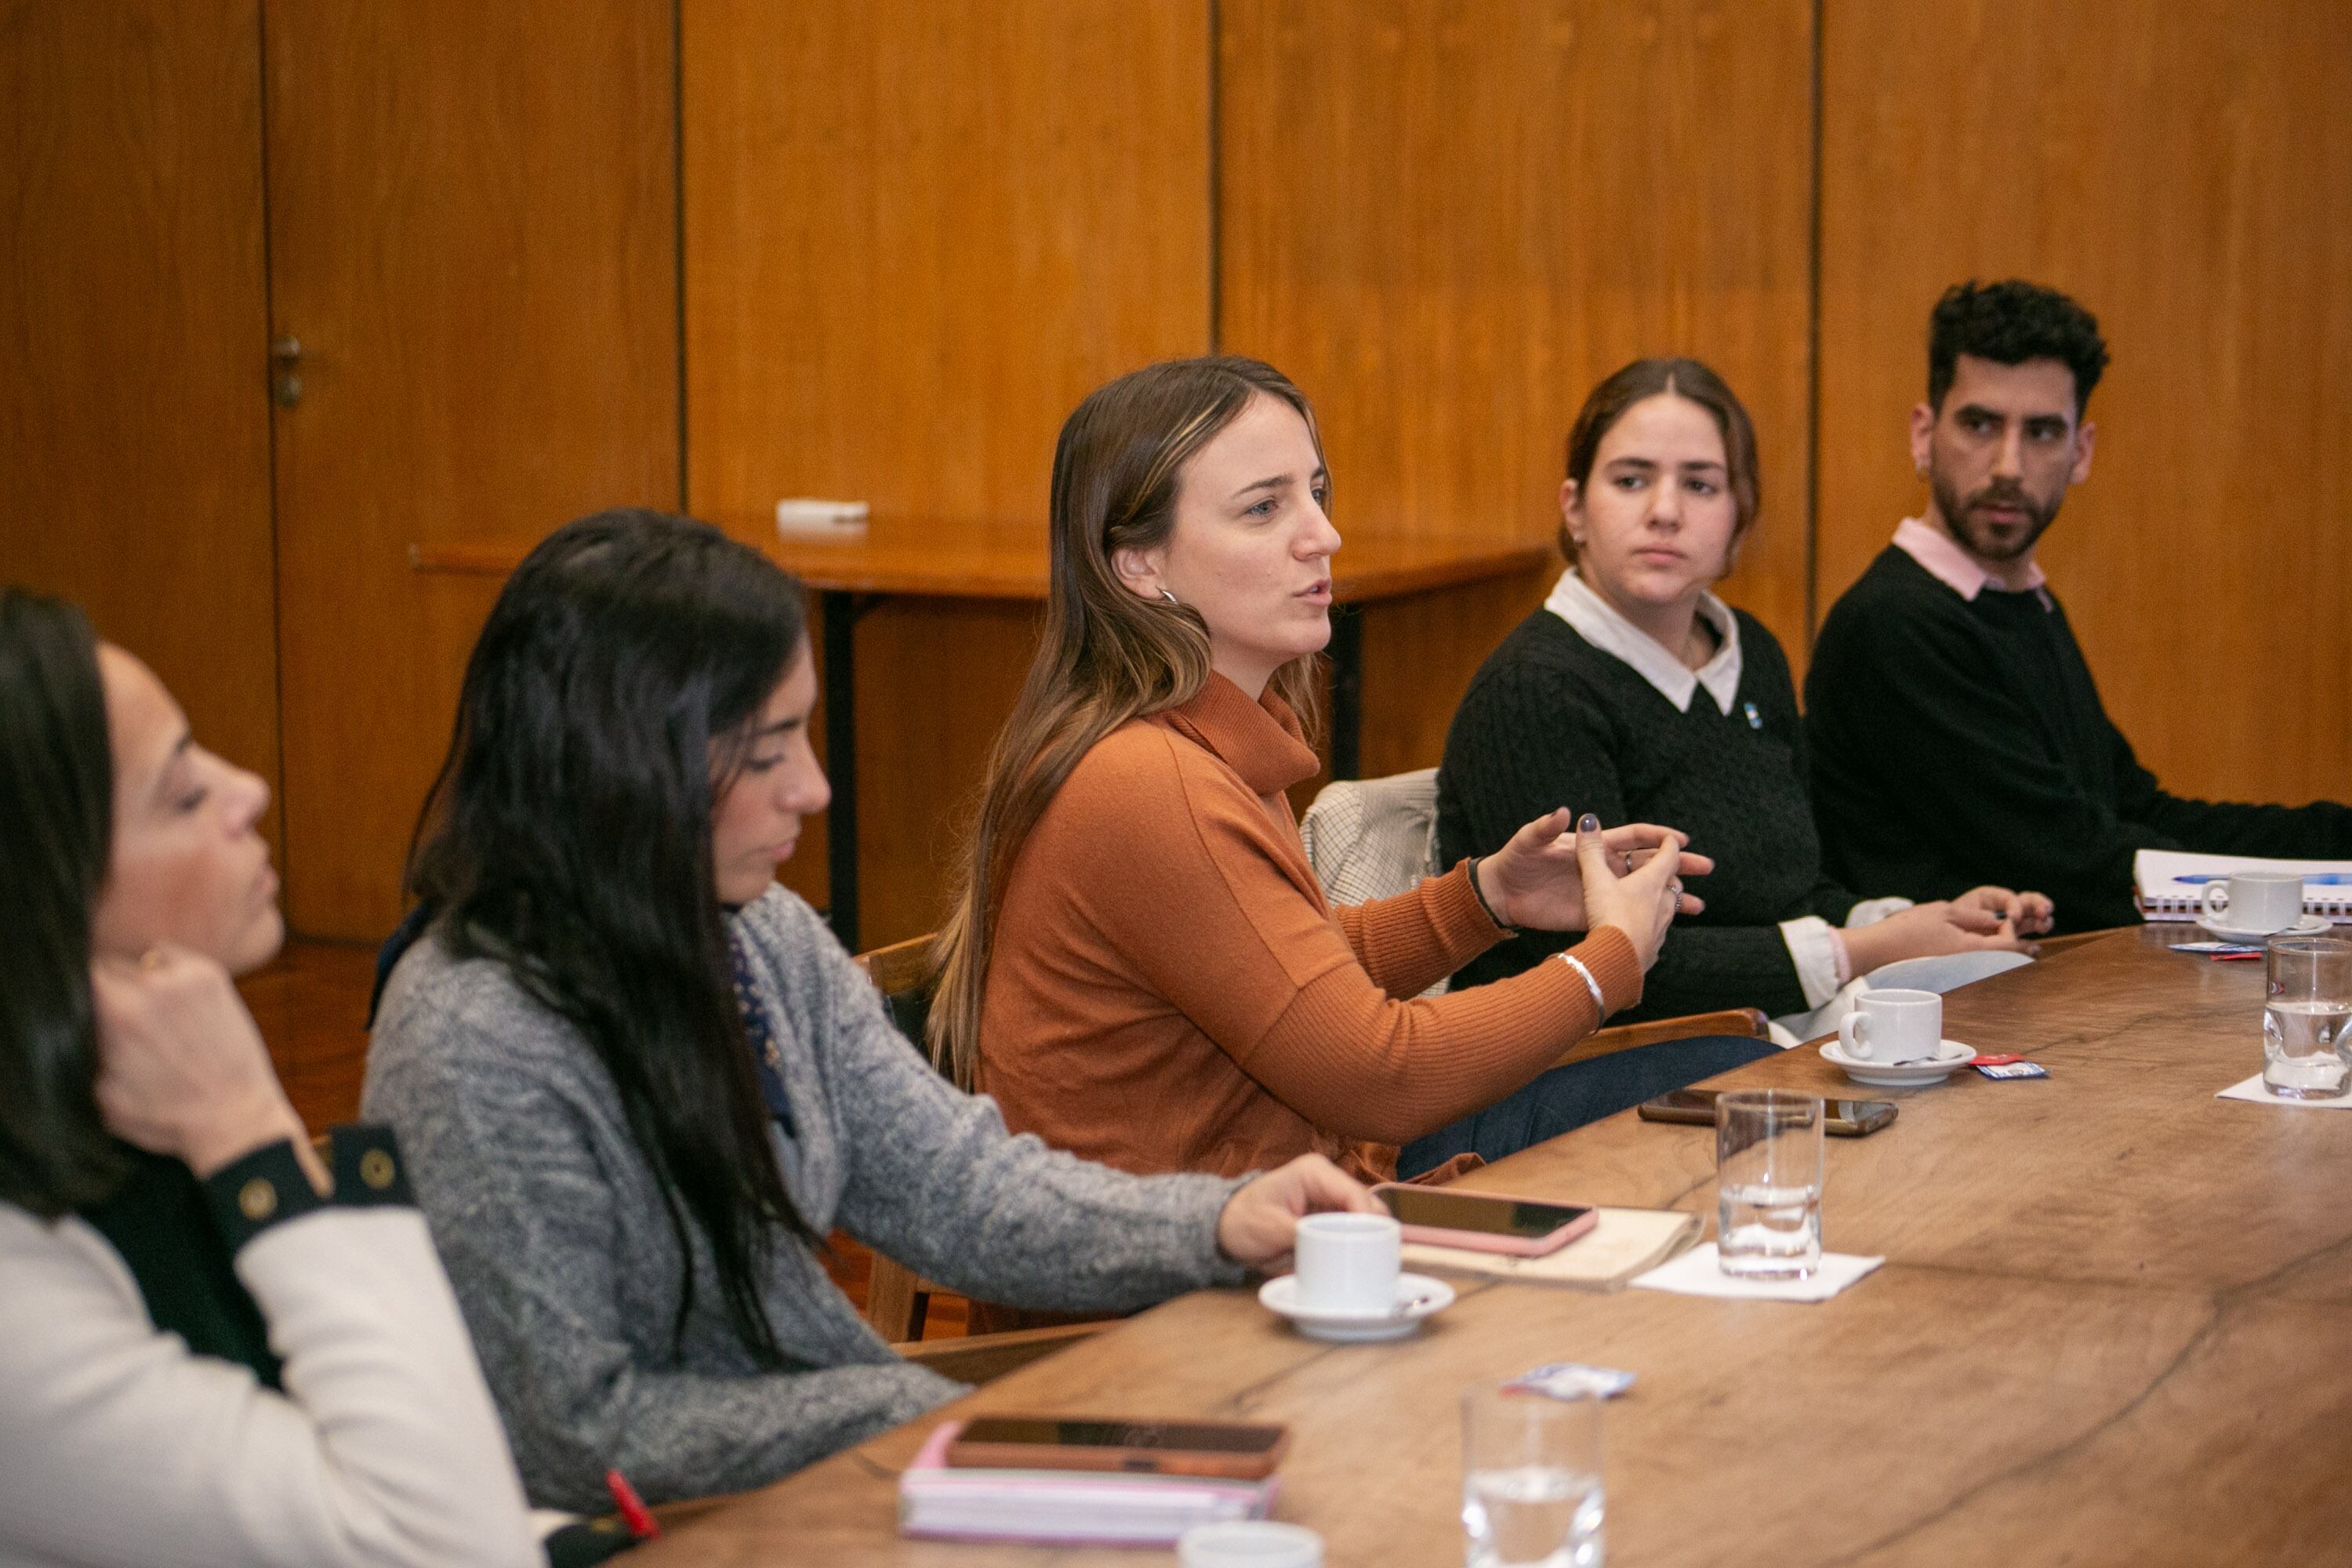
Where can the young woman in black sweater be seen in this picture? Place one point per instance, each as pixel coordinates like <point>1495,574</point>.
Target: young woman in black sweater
<point>1637,694</point>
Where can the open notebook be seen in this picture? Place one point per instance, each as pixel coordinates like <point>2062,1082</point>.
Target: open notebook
<point>2169,884</point>
<point>1626,1241</point>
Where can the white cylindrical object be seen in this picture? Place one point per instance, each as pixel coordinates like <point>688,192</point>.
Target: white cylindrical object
<point>1250,1543</point>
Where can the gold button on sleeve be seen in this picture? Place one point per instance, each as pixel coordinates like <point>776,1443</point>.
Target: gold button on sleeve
<point>376,1169</point>
<point>257,1199</point>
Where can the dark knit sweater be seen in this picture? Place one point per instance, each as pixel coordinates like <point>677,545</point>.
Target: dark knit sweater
<point>1551,721</point>
<point>1960,741</point>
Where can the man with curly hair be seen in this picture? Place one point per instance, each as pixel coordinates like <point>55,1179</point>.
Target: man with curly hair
<point>1957,735</point>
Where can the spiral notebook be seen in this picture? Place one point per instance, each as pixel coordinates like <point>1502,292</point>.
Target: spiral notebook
<point>2169,884</point>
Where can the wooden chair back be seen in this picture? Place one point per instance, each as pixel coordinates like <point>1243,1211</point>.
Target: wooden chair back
<point>897,1299</point>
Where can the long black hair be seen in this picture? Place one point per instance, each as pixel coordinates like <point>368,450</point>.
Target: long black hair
<point>568,836</point>
<point>56,804</point>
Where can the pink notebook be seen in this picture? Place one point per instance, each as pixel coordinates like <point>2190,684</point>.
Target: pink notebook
<point>1064,1507</point>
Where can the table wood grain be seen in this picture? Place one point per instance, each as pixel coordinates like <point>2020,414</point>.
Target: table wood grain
<point>947,560</point>
<point>2111,1327</point>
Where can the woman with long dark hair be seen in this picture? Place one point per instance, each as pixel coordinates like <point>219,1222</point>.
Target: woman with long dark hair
<point>641,1081</point>
<point>1141,967</point>
<point>211,1349</point>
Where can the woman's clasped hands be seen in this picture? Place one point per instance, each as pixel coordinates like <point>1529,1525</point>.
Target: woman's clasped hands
<point>1550,878</point>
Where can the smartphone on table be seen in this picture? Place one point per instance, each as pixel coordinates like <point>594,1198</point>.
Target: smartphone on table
<point>1485,1222</point>
<point>1843,1118</point>
<point>1228,1449</point>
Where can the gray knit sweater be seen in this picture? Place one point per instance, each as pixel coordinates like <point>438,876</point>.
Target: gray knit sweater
<point>558,1242</point>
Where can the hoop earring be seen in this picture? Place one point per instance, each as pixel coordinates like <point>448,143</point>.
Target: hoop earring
<point>1171,599</point>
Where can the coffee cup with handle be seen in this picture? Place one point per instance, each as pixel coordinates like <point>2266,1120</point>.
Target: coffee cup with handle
<point>1893,1026</point>
<point>2255,901</point>
<point>1346,1262</point>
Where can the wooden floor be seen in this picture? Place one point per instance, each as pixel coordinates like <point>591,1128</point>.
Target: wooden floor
<point>311,1004</point>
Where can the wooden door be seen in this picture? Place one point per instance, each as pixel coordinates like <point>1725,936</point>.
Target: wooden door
<point>473,238</point>
<point>134,435</point>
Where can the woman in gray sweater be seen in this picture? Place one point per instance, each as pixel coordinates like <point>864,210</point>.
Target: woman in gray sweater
<point>639,1082</point>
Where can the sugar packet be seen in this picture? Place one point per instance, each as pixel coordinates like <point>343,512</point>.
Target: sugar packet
<point>1573,1379</point>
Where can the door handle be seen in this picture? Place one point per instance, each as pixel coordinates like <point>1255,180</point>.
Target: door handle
<point>285,371</point>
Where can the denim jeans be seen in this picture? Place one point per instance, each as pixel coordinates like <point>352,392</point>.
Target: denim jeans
<point>1567,1098</point>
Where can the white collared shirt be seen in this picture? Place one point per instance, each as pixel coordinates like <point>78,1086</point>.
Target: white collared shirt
<point>1597,621</point>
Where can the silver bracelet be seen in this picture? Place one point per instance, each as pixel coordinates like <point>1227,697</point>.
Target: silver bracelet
<point>1599,1007</point>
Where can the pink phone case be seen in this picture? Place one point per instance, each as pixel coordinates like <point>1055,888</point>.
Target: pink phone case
<point>1482,1241</point>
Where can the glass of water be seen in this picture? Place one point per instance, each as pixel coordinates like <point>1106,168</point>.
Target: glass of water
<point>2307,1017</point>
<point>1768,1173</point>
<point>1530,1478</point>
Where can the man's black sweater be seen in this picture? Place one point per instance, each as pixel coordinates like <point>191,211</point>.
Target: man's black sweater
<point>1551,721</point>
<point>1958,741</point>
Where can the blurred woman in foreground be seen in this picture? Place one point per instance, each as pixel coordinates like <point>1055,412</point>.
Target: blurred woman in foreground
<point>211,1349</point>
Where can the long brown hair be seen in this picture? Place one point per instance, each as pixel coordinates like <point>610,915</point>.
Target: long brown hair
<point>1694,381</point>
<point>1108,655</point>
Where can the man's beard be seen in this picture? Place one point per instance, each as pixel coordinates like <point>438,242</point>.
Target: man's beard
<point>1980,539</point>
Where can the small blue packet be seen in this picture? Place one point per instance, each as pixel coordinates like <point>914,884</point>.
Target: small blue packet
<point>1573,1379</point>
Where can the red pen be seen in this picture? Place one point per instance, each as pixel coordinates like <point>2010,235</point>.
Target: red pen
<point>642,1524</point>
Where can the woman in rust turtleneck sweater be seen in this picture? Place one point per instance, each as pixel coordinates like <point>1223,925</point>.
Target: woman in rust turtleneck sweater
<point>1143,968</point>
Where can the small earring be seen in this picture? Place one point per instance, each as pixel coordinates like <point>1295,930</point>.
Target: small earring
<point>1170,597</point>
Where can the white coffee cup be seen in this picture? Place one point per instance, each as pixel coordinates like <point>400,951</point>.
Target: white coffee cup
<point>2255,901</point>
<point>1347,1262</point>
<point>1891,1026</point>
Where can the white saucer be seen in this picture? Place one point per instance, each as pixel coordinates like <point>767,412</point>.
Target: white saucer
<point>1417,1296</point>
<point>1949,1058</point>
<point>2309,925</point>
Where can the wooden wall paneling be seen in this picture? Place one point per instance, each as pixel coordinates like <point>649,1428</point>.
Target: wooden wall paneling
<point>1446,219</point>
<point>473,234</point>
<point>916,232</point>
<point>134,433</point>
<point>2186,171</point>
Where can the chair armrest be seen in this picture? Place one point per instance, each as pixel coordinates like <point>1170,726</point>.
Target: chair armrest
<point>1748,1022</point>
<point>984,1358</point>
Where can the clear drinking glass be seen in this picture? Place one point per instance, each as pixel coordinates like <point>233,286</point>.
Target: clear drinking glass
<point>1530,1480</point>
<point>1768,1173</point>
<point>2307,1017</point>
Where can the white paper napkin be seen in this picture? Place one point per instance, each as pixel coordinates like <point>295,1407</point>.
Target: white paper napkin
<point>1696,1273</point>
<point>2252,1089</point>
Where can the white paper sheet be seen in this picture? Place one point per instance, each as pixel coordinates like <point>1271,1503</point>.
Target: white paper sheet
<point>2253,1092</point>
<point>1697,1273</point>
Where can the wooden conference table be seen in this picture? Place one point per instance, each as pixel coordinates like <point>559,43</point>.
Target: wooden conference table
<point>913,558</point>
<point>2113,1326</point>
